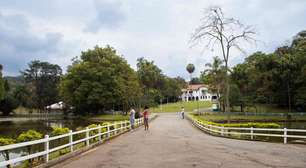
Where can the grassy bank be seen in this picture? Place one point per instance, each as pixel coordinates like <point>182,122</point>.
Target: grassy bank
<point>262,108</point>
<point>109,117</point>
<point>205,120</point>
<point>176,107</point>
<point>244,118</point>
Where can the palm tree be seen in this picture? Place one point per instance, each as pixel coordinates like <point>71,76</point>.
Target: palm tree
<point>190,68</point>
<point>216,72</point>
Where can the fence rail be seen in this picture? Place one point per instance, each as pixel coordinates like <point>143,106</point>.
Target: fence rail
<point>252,132</point>
<point>111,130</point>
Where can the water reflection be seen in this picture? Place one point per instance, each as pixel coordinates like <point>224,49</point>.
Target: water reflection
<point>14,127</point>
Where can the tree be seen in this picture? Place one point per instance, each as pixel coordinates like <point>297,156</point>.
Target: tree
<point>277,78</point>
<point>42,79</point>
<point>227,33</point>
<point>195,81</point>
<point>100,80</point>
<point>8,103</point>
<point>152,81</point>
<point>190,69</point>
<point>214,75</point>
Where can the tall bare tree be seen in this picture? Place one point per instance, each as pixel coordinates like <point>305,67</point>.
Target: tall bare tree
<point>216,30</point>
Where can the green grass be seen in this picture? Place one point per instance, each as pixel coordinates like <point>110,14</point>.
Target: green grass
<point>262,108</point>
<point>223,117</point>
<point>176,107</point>
<point>109,117</point>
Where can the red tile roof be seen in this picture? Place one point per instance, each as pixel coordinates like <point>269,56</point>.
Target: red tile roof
<point>194,87</point>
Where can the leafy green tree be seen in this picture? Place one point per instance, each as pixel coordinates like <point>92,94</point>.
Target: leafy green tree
<point>195,81</point>
<point>276,78</point>
<point>98,81</point>
<point>171,89</point>
<point>42,79</point>
<point>214,75</point>
<point>8,104</point>
<point>152,81</point>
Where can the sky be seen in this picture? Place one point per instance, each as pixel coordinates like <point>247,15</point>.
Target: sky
<point>159,30</point>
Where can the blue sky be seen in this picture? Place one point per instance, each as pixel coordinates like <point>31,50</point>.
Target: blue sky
<point>159,30</point>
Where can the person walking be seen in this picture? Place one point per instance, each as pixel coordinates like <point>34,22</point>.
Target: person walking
<point>132,118</point>
<point>146,118</point>
<point>182,112</point>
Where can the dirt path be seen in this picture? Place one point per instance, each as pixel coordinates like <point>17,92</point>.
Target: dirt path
<point>173,142</point>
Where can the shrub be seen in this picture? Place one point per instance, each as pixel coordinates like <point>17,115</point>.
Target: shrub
<point>241,125</point>
<point>30,135</point>
<point>59,131</point>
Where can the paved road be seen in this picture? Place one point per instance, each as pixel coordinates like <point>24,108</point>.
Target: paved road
<point>174,143</point>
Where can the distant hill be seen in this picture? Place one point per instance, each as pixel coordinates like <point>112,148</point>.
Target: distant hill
<point>14,81</point>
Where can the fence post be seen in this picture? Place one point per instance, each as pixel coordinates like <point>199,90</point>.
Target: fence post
<point>121,126</point>
<point>222,131</point>
<point>71,140</point>
<point>99,133</point>
<point>285,135</point>
<point>87,136</point>
<point>47,148</point>
<point>252,131</point>
<point>108,131</point>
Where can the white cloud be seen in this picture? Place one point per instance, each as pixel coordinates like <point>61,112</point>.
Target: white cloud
<point>157,29</point>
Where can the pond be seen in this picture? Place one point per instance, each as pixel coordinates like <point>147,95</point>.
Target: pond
<point>12,127</point>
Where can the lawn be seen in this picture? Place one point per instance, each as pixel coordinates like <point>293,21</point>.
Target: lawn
<point>241,118</point>
<point>109,117</point>
<point>176,107</point>
<point>262,108</point>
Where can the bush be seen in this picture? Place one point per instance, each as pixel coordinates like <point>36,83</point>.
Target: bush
<point>8,104</point>
<point>239,125</point>
<point>59,131</point>
<point>30,135</point>
<point>6,141</point>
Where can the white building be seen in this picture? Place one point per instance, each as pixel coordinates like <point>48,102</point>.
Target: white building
<point>56,106</point>
<point>198,92</point>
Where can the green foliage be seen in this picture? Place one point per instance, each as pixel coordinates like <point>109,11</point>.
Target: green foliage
<point>276,78</point>
<point>100,80</point>
<point>156,86</point>
<point>42,78</point>
<point>8,104</point>
<point>93,132</point>
<point>214,76</point>
<point>195,81</point>
<point>29,135</point>
<point>59,131</point>
<point>242,125</point>
<point>176,107</point>
<point>6,141</point>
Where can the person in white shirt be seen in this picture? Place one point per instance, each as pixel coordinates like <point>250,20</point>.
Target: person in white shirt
<point>132,118</point>
<point>182,112</point>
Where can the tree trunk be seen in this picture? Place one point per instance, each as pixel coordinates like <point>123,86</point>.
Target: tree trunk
<point>227,104</point>
<point>289,101</point>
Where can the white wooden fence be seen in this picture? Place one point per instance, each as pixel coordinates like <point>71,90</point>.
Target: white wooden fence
<point>111,130</point>
<point>252,132</point>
